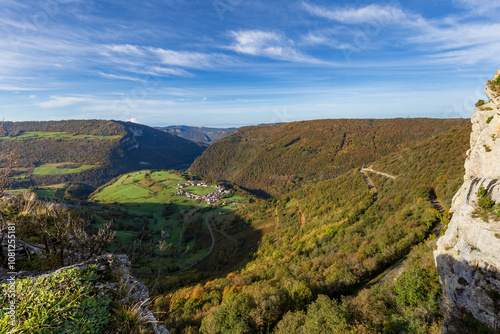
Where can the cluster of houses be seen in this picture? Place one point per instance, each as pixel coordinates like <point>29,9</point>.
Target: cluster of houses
<point>212,198</point>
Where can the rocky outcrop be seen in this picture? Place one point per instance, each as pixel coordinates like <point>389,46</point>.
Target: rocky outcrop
<point>118,267</point>
<point>468,255</point>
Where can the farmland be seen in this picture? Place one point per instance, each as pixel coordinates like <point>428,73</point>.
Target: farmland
<point>61,168</point>
<point>39,135</point>
<point>146,209</point>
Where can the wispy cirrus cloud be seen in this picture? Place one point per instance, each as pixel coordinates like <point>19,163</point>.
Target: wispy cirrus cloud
<point>10,88</point>
<point>478,6</point>
<point>125,49</point>
<point>350,15</point>
<point>328,38</point>
<point>189,59</point>
<point>452,39</point>
<point>268,44</point>
<point>63,101</point>
<point>162,62</point>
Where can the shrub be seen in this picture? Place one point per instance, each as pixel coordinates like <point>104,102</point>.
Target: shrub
<point>482,192</point>
<point>489,120</point>
<point>484,201</point>
<point>479,103</point>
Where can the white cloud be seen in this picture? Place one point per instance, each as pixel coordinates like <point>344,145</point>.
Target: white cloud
<point>458,35</point>
<point>469,56</point>
<point>125,48</point>
<point>133,120</point>
<point>189,59</point>
<point>62,101</point>
<point>158,70</point>
<point>478,6</point>
<point>450,39</point>
<point>460,43</point>
<point>325,38</point>
<point>180,58</point>
<point>12,88</point>
<point>267,44</point>
<point>135,58</point>
<point>119,77</point>
<point>368,14</point>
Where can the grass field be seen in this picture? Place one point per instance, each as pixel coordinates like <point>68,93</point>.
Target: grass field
<point>55,191</point>
<point>144,207</point>
<point>59,168</point>
<point>145,203</point>
<point>37,135</point>
<point>199,190</point>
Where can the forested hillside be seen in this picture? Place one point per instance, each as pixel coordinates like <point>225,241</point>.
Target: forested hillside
<point>275,159</point>
<point>324,263</point>
<point>199,133</point>
<point>90,151</point>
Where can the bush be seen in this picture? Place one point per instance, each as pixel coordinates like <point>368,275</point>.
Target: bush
<point>479,103</point>
<point>489,120</point>
<point>484,201</point>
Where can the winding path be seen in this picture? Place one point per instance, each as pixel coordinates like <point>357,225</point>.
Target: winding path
<point>370,169</point>
<point>211,235</point>
<point>209,251</point>
<point>371,185</point>
<point>396,269</point>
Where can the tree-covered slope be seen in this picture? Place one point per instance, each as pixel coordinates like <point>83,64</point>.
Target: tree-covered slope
<point>329,240</point>
<point>91,151</point>
<point>277,158</point>
<point>199,133</point>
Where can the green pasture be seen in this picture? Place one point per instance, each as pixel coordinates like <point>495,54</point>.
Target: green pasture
<point>57,169</point>
<point>199,190</point>
<point>147,194</point>
<point>38,135</point>
<point>54,191</point>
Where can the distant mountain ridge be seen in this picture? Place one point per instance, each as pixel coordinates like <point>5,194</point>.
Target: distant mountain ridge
<point>199,133</point>
<point>92,151</point>
<point>274,159</point>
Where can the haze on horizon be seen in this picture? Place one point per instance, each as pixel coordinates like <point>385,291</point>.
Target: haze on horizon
<point>238,62</point>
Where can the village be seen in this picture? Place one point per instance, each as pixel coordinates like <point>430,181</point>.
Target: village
<point>212,198</point>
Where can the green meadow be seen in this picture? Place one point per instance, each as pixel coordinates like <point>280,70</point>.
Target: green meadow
<point>51,192</point>
<point>61,168</point>
<point>145,208</point>
<point>38,135</point>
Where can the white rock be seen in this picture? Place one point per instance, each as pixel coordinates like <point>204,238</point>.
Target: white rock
<point>468,255</point>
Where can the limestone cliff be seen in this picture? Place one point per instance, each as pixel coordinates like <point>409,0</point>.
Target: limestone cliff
<point>468,255</point>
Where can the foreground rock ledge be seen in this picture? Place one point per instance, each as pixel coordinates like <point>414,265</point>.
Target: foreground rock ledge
<point>468,255</point>
<point>119,265</point>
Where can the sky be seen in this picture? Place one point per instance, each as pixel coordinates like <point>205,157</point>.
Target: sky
<point>239,62</point>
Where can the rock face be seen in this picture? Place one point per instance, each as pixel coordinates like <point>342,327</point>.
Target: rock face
<point>468,255</point>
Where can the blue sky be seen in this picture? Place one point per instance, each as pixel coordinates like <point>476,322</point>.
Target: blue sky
<point>239,62</point>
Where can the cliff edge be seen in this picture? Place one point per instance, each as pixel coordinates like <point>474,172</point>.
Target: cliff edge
<point>468,255</point>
